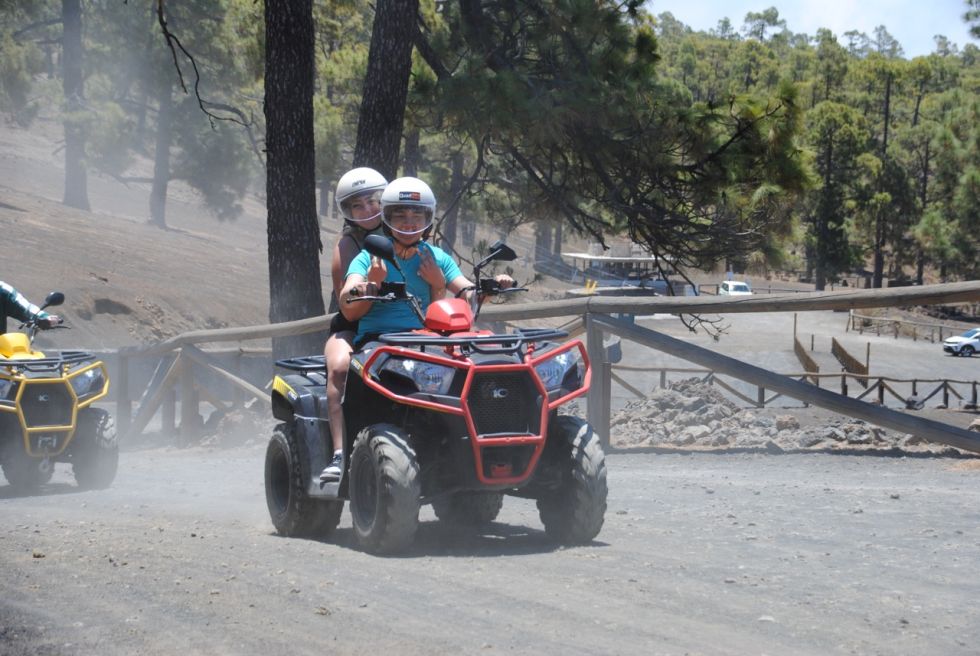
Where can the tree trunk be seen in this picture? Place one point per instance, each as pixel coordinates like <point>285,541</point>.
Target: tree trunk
<point>879,245</point>
<point>76,181</point>
<point>293,235</point>
<point>379,126</point>
<point>449,219</point>
<point>161,158</point>
<point>542,240</point>
<point>413,154</point>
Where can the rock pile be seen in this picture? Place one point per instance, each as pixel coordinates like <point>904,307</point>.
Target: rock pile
<point>694,415</point>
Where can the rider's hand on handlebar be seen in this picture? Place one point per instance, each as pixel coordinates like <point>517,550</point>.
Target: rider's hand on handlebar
<point>364,289</point>
<point>50,321</point>
<point>504,281</point>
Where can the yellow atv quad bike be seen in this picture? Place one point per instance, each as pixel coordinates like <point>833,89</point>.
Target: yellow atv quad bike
<point>46,412</point>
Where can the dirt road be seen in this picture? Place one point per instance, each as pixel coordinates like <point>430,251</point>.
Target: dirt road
<point>700,554</point>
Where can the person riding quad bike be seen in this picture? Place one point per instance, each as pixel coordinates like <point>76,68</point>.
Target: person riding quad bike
<point>436,411</point>
<point>47,411</point>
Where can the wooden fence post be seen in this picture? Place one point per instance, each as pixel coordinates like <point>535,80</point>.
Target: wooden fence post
<point>600,393</point>
<point>663,378</point>
<point>190,417</point>
<point>946,393</point>
<point>124,404</point>
<point>168,412</point>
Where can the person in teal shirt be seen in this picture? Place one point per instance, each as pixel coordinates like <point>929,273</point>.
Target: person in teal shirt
<point>407,211</point>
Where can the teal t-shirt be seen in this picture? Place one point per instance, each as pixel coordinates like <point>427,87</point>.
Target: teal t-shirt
<point>398,316</point>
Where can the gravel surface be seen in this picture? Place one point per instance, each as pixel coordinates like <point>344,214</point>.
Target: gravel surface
<point>700,554</point>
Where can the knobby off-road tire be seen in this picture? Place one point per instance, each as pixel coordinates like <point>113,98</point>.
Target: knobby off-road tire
<point>574,513</point>
<point>470,509</point>
<point>95,449</point>
<point>293,512</point>
<point>384,489</point>
<point>23,472</point>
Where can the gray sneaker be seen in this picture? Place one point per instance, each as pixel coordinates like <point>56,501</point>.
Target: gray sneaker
<point>333,470</point>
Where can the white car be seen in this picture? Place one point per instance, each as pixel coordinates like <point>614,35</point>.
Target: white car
<point>734,288</point>
<point>966,344</point>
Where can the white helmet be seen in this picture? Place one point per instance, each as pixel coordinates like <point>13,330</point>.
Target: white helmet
<point>358,182</point>
<point>408,192</point>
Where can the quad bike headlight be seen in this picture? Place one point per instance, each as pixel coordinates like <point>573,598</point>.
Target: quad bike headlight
<point>88,383</point>
<point>429,377</point>
<point>553,371</point>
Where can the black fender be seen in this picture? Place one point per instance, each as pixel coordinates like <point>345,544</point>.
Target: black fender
<point>303,403</point>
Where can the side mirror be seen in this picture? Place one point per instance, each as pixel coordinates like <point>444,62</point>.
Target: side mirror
<point>379,246</point>
<point>503,252</point>
<point>498,251</point>
<point>54,298</point>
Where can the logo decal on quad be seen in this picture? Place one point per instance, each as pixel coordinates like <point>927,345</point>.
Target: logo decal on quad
<point>490,390</point>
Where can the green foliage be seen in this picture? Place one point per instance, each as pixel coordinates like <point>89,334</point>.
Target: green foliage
<point>18,63</point>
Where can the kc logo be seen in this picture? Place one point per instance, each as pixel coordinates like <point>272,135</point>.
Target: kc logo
<point>489,390</point>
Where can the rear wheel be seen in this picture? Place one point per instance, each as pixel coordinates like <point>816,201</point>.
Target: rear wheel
<point>468,508</point>
<point>574,513</point>
<point>384,489</point>
<point>95,449</point>
<point>293,512</point>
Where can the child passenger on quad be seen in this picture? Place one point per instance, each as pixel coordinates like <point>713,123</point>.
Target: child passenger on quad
<point>407,210</point>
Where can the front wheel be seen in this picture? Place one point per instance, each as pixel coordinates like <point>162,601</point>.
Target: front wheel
<point>967,351</point>
<point>25,473</point>
<point>384,489</point>
<point>575,511</point>
<point>95,449</point>
<point>293,512</point>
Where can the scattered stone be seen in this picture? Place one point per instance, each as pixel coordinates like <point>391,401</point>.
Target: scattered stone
<point>693,414</point>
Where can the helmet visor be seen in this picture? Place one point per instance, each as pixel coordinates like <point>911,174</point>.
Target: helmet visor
<point>362,208</point>
<point>408,220</point>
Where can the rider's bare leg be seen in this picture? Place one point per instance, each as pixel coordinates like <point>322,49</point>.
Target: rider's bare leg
<point>336,353</point>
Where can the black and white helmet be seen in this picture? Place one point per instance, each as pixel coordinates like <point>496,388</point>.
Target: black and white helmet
<point>358,182</point>
<point>412,193</point>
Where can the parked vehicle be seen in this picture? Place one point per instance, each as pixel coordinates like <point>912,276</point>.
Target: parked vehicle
<point>445,415</point>
<point>966,344</point>
<point>46,412</point>
<point>734,288</point>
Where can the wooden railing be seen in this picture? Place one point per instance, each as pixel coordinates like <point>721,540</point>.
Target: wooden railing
<point>181,359</point>
<point>849,362</point>
<point>934,332</point>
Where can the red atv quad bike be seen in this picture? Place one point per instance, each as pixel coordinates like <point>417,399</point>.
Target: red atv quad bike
<point>446,415</point>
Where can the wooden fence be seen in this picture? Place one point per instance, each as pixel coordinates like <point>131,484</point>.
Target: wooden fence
<point>906,391</point>
<point>934,332</point>
<point>180,360</point>
<point>850,363</point>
